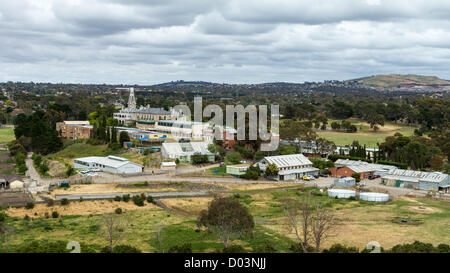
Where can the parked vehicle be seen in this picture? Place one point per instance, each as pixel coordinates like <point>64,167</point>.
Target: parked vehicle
<point>323,175</point>
<point>371,177</point>
<point>306,178</point>
<point>96,170</point>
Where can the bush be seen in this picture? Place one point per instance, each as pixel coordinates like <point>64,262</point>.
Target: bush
<point>184,248</point>
<point>29,205</point>
<point>138,200</point>
<point>234,158</point>
<point>64,201</point>
<point>126,198</point>
<point>50,202</point>
<point>117,198</point>
<point>266,248</point>
<point>252,173</point>
<point>121,249</point>
<point>118,211</point>
<point>55,214</point>
<point>150,199</point>
<point>338,248</point>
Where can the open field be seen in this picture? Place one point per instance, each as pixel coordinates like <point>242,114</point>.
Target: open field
<point>365,135</point>
<point>358,222</point>
<point>7,135</point>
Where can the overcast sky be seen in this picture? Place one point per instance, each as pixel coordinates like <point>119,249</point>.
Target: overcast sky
<point>236,41</point>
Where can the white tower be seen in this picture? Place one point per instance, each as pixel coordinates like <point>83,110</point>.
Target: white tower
<point>132,99</point>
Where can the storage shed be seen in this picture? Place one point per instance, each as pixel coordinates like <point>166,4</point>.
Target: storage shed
<point>345,182</point>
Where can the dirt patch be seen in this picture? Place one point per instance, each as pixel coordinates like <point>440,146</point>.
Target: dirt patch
<point>56,168</point>
<point>192,206</point>
<point>77,208</point>
<point>423,209</point>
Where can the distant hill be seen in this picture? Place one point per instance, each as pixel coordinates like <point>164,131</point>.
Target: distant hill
<point>399,82</point>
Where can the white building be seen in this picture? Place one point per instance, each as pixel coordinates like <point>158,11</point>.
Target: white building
<point>290,167</point>
<point>111,164</point>
<point>184,151</point>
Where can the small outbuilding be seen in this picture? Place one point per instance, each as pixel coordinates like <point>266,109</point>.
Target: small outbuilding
<point>16,184</point>
<point>237,170</point>
<point>346,182</point>
<point>168,166</point>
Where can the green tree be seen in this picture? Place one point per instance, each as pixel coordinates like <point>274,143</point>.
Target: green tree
<point>271,170</point>
<point>123,137</point>
<point>227,219</point>
<point>233,158</point>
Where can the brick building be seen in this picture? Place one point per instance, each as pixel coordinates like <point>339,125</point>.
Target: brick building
<point>74,129</point>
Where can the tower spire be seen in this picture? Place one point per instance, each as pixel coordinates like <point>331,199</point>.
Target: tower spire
<point>132,99</point>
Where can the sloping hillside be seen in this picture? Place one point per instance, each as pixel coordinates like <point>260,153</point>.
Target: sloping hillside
<point>402,81</point>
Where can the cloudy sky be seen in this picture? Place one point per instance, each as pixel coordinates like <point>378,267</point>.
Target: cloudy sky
<point>236,41</point>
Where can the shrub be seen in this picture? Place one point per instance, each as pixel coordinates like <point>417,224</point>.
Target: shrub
<point>118,211</point>
<point>29,205</point>
<point>338,248</point>
<point>266,248</point>
<point>55,214</point>
<point>64,201</point>
<point>81,199</point>
<point>26,218</point>
<point>252,173</point>
<point>150,199</point>
<point>121,249</point>
<point>234,158</point>
<point>126,198</point>
<point>50,202</point>
<point>117,198</point>
<point>138,201</point>
<point>184,248</point>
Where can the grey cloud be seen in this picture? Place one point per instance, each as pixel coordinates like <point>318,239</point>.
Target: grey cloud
<point>139,41</point>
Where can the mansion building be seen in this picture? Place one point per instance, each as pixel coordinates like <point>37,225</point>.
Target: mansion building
<point>144,115</point>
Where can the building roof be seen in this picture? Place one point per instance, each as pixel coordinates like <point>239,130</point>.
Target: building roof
<point>76,122</point>
<point>190,148</point>
<point>110,161</point>
<point>168,164</point>
<point>362,166</point>
<point>416,176</point>
<point>288,160</point>
<point>153,111</point>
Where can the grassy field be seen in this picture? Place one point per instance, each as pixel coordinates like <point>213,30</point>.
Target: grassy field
<point>7,135</point>
<point>358,222</point>
<point>365,135</point>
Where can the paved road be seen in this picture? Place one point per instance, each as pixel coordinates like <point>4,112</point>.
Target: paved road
<point>97,196</point>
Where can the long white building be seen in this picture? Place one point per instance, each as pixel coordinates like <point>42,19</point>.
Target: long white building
<point>290,167</point>
<point>110,164</point>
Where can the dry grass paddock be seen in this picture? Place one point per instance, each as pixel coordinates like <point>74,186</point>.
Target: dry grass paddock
<point>77,208</point>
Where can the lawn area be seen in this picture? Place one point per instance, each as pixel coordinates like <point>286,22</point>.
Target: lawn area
<point>7,135</point>
<point>81,149</point>
<point>365,135</point>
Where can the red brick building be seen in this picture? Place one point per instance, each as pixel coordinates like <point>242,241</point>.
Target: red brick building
<point>74,129</point>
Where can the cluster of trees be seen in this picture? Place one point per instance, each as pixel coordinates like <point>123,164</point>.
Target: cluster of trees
<point>37,133</point>
<point>198,158</point>
<point>40,164</point>
<point>415,151</point>
<point>345,125</point>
